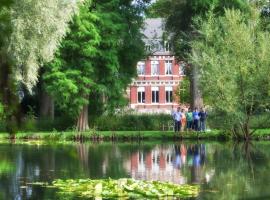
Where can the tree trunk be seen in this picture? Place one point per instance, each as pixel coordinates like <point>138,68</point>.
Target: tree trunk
<point>82,122</point>
<point>46,105</point>
<point>196,96</point>
<point>9,97</point>
<point>247,133</point>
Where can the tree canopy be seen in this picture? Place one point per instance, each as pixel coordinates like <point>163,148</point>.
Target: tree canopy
<point>30,33</point>
<point>35,29</point>
<point>233,56</point>
<point>98,57</point>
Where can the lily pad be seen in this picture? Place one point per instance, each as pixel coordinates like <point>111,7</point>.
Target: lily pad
<point>123,188</point>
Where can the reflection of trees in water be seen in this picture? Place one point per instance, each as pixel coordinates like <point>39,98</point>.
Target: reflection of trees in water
<point>83,155</point>
<point>107,160</point>
<point>240,172</point>
<point>36,164</point>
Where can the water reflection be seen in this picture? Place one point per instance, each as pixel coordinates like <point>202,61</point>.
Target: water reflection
<point>224,171</point>
<point>169,163</point>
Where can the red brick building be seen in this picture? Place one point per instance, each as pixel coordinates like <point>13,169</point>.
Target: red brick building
<point>159,75</point>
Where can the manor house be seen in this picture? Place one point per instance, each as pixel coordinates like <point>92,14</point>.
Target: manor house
<point>159,74</point>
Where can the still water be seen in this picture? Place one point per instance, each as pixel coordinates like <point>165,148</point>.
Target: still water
<point>223,170</point>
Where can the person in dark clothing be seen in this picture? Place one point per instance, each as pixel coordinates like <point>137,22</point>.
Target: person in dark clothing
<point>196,119</point>
<point>177,120</point>
<point>203,116</point>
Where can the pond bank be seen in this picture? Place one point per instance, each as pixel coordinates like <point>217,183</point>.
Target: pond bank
<point>262,134</point>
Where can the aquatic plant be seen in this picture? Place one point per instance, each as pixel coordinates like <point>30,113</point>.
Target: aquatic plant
<point>123,188</point>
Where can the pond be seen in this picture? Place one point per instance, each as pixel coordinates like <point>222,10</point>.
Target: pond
<point>223,170</point>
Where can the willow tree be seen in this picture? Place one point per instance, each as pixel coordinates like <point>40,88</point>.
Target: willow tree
<point>30,32</point>
<point>233,54</point>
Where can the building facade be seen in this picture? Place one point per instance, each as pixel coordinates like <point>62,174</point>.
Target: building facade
<point>159,75</point>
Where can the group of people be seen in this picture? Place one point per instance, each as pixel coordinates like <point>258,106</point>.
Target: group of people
<point>189,120</point>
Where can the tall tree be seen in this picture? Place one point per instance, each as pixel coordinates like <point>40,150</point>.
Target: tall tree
<point>179,16</point>
<point>97,57</point>
<point>29,35</point>
<point>233,55</point>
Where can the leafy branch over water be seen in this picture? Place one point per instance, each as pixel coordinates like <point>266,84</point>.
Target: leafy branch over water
<point>124,188</point>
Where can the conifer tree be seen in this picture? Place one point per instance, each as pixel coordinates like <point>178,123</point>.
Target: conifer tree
<point>97,58</point>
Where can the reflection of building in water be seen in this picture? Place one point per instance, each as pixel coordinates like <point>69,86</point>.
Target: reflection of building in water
<point>157,164</point>
<point>169,164</point>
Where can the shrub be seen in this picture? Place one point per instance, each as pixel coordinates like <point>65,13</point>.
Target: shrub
<point>128,122</point>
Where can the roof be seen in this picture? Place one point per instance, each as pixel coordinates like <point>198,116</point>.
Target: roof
<point>153,28</point>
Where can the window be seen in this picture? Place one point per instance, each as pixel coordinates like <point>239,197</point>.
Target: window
<point>141,95</point>
<point>169,94</point>
<point>154,68</point>
<point>148,48</point>
<point>155,94</point>
<point>141,68</point>
<point>168,67</point>
<point>167,46</point>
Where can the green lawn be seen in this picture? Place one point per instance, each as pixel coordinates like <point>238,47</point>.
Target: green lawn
<point>261,134</point>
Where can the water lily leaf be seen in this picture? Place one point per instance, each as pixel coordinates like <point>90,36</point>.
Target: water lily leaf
<point>123,189</point>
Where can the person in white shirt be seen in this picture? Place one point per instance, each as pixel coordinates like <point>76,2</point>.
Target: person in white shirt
<point>177,116</point>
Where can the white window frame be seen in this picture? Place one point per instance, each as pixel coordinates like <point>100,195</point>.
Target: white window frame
<point>141,68</point>
<point>169,90</point>
<point>154,67</point>
<point>140,98</point>
<point>155,94</point>
<point>168,67</point>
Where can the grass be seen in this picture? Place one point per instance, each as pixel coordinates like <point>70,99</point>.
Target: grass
<point>261,134</point>
<point>114,135</point>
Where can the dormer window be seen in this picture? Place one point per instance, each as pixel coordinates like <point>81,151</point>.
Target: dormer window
<point>167,46</point>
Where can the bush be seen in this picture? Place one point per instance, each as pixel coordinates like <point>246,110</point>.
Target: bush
<point>31,124</point>
<point>126,122</point>
<point>143,122</point>
<point>259,121</point>
<point>59,124</point>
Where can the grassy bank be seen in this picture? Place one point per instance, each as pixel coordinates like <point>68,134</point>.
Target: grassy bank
<point>114,135</point>
<point>262,134</point>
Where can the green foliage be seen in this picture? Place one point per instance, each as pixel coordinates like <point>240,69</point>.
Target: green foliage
<point>132,122</point>
<point>184,91</point>
<point>122,188</point>
<point>180,14</point>
<point>233,55</point>
<point>6,167</point>
<point>69,77</point>
<point>98,57</point>
<point>29,123</point>
<point>30,33</point>
<point>1,111</point>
